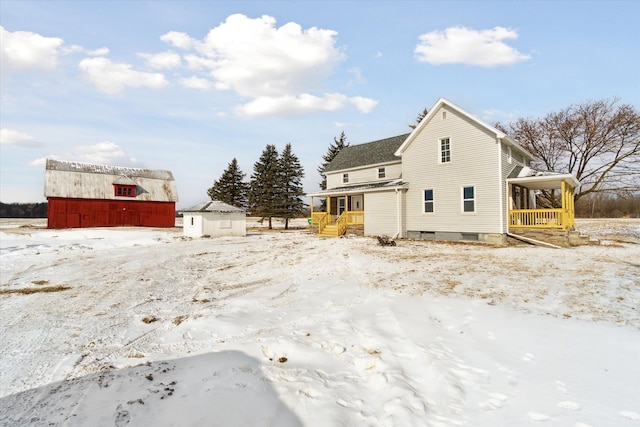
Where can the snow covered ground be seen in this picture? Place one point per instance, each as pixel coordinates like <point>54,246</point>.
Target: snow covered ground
<point>144,327</point>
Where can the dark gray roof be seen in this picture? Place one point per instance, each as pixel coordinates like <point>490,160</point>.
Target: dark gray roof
<point>214,206</point>
<point>371,153</point>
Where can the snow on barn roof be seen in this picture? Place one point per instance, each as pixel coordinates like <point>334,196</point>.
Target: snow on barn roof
<point>213,206</point>
<point>67,166</point>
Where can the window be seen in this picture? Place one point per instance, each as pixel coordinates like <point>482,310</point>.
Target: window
<point>428,201</point>
<point>345,178</point>
<point>381,173</point>
<point>468,199</point>
<point>509,155</point>
<point>124,190</point>
<point>445,150</point>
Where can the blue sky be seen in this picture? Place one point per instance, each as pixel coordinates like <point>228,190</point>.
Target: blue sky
<point>187,86</point>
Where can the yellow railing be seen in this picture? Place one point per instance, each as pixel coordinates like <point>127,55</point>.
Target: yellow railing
<point>538,218</point>
<point>341,223</point>
<point>316,217</point>
<point>323,222</point>
<point>354,217</point>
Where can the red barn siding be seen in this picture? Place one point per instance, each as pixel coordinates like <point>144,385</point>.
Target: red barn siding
<point>76,213</point>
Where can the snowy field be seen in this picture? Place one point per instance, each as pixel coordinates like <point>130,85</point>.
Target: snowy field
<point>143,327</point>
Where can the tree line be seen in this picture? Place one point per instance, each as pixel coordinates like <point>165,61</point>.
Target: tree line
<point>23,210</point>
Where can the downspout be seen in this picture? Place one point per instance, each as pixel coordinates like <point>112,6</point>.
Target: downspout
<point>399,214</point>
<point>502,188</point>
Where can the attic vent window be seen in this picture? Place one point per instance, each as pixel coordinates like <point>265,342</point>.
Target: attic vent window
<point>444,115</point>
<point>124,190</point>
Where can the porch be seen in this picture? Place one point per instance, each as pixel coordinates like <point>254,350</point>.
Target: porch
<point>523,200</point>
<point>554,226</point>
<point>343,212</point>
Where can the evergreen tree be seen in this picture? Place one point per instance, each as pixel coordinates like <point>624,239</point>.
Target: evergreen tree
<point>332,152</point>
<point>291,174</point>
<point>230,188</point>
<point>421,116</point>
<point>264,191</point>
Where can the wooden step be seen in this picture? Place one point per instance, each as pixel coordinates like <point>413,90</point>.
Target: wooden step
<point>330,230</point>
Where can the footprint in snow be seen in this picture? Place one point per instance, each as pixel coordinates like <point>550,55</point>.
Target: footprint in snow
<point>567,404</point>
<point>122,418</point>
<point>528,357</point>
<point>537,416</point>
<point>630,415</point>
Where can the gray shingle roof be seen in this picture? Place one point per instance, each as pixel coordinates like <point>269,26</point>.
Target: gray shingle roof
<point>370,153</point>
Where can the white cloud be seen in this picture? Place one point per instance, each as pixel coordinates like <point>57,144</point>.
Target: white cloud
<point>180,40</point>
<point>98,52</point>
<point>270,65</point>
<point>112,78</point>
<point>357,77</point>
<point>290,104</point>
<point>24,49</point>
<point>17,138</point>
<point>104,153</point>
<point>196,83</point>
<point>162,60</point>
<point>79,49</point>
<point>364,105</point>
<point>461,45</point>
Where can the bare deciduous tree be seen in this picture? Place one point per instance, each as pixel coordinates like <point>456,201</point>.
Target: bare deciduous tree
<point>596,141</point>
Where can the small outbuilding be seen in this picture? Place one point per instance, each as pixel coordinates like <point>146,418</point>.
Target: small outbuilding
<point>214,219</point>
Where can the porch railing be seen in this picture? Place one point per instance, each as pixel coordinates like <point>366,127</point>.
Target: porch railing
<point>537,218</point>
<point>341,223</point>
<point>354,217</point>
<point>316,217</point>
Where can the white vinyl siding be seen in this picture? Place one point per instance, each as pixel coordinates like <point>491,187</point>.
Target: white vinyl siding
<point>474,161</point>
<point>381,214</point>
<point>368,174</point>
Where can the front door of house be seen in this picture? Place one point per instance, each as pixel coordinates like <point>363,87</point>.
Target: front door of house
<point>341,205</point>
<point>357,204</point>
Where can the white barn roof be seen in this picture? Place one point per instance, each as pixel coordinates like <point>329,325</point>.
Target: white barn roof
<point>214,206</point>
<point>92,181</point>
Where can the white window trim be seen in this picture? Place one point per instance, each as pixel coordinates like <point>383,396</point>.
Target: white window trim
<point>440,150</point>
<point>345,178</point>
<point>509,155</point>
<point>384,172</point>
<point>462,199</point>
<point>433,201</point>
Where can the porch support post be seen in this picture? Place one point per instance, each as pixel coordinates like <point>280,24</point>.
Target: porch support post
<point>311,206</point>
<point>329,205</point>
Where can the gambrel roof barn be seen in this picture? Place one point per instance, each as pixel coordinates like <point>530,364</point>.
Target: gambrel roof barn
<point>91,195</point>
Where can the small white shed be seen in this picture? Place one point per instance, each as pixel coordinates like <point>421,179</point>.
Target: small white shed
<point>214,219</point>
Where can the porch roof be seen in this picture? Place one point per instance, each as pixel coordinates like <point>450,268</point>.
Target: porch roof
<point>544,181</point>
<point>364,187</point>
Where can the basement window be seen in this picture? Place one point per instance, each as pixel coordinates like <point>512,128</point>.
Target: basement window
<point>124,190</point>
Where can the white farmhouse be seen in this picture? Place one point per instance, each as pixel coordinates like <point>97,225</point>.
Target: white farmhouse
<point>454,177</point>
<point>214,219</point>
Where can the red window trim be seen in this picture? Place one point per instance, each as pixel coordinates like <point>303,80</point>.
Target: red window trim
<point>124,190</point>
